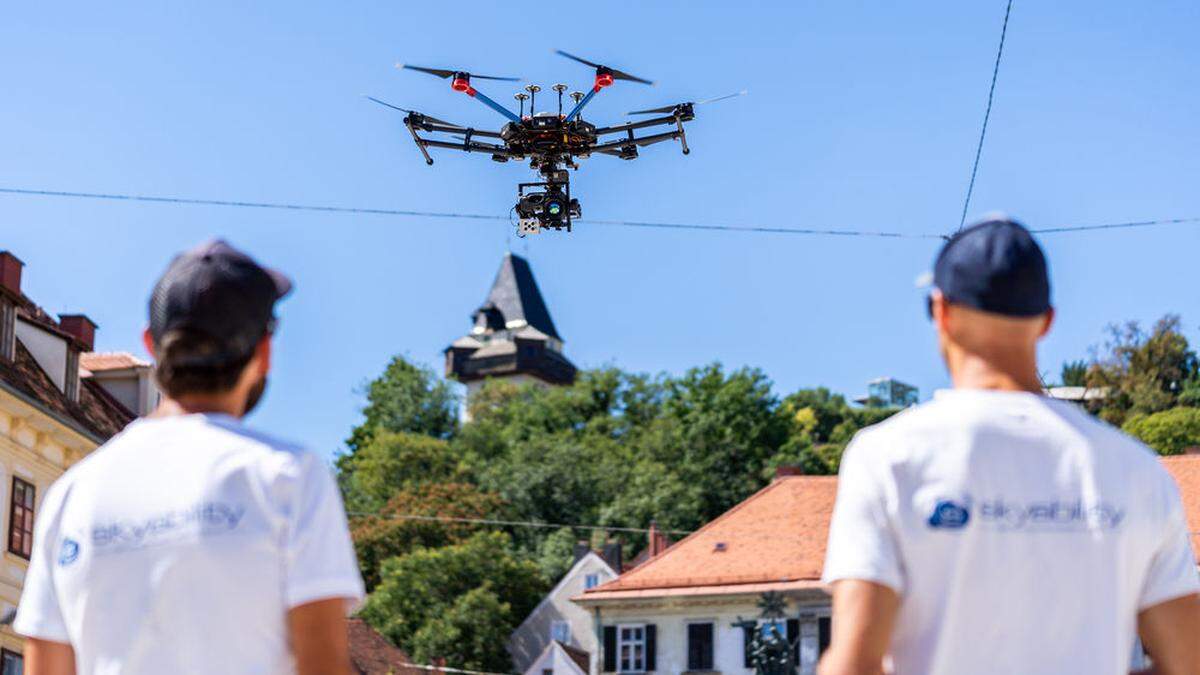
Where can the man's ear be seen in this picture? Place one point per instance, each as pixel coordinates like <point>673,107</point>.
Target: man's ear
<point>148,340</point>
<point>263,353</point>
<point>939,308</point>
<point>1047,322</point>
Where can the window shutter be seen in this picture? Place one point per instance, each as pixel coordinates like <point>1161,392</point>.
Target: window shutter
<point>651,648</point>
<point>747,657</point>
<point>793,638</point>
<point>610,649</point>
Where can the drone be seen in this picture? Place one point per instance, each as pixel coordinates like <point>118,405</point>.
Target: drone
<point>552,142</point>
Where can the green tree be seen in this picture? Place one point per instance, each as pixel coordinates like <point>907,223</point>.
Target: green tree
<point>1144,372</point>
<point>473,589</point>
<point>1190,396</point>
<point>401,526</point>
<point>470,634</point>
<point>407,398</point>
<point>820,426</point>
<point>557,554</point>
<point>390,461</point>
<point>1074,373</point>
<point>1170,432</point>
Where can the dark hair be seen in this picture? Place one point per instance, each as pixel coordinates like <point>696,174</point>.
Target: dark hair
<point>189,362</point>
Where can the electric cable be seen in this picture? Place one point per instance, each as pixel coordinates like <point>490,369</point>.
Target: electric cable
<point>986,115</point>
<point>750,229</point>
<point>506,523</point>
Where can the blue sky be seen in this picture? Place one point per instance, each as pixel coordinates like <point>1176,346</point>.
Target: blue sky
<point>860,115</point>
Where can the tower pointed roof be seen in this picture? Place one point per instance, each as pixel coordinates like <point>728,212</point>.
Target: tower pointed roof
<point>515,300</point>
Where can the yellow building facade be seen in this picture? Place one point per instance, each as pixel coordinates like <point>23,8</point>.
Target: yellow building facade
<point>53,412</point>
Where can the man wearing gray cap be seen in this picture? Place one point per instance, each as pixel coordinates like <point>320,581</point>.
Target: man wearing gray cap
<point>995,530</point>
<point>188,543</point>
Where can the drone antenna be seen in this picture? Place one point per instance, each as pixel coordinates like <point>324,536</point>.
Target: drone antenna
<point>521,96</point>
<point>560,88</point>
<point>577,96</point>
<point>533,89</point>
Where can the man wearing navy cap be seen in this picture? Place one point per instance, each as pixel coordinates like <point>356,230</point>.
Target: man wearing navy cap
<point>995,530</point>
<point>189,544</point>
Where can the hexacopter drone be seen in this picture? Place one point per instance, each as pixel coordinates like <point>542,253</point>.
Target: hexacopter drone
<point>551,141</point>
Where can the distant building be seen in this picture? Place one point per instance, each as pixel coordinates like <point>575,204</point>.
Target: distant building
<point>887,392</point>
<point>1081,395</point>
<point>513,336</point>
<point>127,378</point>
<point>52,414</point>
<point>675,613</point>
<point>557,636</point>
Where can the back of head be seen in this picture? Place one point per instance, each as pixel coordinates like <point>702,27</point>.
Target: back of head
<point>209,313</point>
<point>991,304</point>
<point>189,362</point>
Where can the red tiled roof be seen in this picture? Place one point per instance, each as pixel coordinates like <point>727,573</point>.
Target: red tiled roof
<point>96,412</point>
<point>1186,471</point>
<point>777,535</point>
<point>372,654</point>
<point>100,361</point>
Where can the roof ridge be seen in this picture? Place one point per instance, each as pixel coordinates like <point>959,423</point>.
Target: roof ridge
<point>707,526</point>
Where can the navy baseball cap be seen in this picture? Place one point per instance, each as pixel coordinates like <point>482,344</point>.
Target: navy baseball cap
<point>994,266</point>
<point>221,292</point>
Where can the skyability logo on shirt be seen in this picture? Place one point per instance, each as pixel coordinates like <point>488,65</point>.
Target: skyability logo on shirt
<point>68,552</point>
<point>1056,515</point>
<point>949,515</point>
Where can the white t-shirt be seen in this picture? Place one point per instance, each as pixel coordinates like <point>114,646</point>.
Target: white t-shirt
<point>1022,535</point>
<point>179,546</point>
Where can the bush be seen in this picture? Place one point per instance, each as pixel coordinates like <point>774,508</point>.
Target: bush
<point>1169,432</point>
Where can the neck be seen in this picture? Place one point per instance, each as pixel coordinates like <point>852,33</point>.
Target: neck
<point>193,404</point>
<point>972,371</point>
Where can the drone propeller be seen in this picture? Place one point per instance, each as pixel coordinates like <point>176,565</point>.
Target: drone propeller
<point>669,108</point>
<point>447,74</point>
<point>617,74</point>
<point>414,112</point>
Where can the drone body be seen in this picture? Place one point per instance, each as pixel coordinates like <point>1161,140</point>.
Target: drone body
<point>552,142</point>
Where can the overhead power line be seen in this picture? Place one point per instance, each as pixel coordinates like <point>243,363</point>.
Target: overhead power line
<point>749,229</point>
<point>986,115</point>
<point>444,214</point>
<point>505,523</point>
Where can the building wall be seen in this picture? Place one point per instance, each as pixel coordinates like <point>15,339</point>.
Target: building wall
<point>532,636</point>
<point>671,619</point>
<point>37,449</point>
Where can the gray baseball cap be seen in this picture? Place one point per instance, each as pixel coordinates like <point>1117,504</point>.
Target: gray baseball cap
<point>221,292</point>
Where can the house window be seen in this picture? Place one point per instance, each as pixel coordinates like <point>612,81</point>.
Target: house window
<point>700,646</point>
<point>20,518</point>
<point>591,581</point>
<point>631,649</point>
<point>561,631</point>
<point>11,663</point>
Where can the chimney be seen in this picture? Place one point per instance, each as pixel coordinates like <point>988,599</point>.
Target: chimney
<point>657,540</point>
<point>612,555</point>
<point>582,548</point>
<point>10,272</point>
<point>788,470</point>
<point>83,328</point>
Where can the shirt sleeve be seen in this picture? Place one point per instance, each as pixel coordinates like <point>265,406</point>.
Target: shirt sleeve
<point>40,614</point>
<point>1172,571</point>
<point>320,560</point>
<point>862,539</point>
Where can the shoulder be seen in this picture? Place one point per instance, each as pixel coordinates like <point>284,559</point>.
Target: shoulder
<point>892,438</point>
